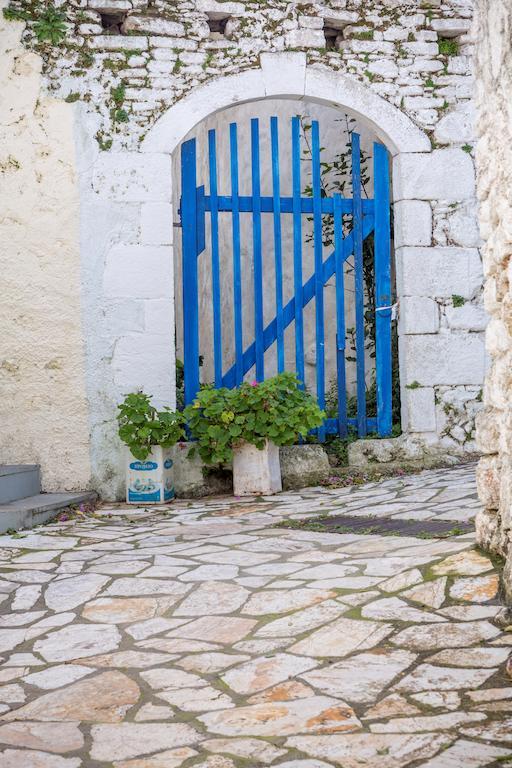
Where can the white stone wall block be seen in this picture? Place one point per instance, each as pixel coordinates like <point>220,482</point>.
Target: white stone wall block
<point>448,358</point>
<point>157,224</point>
<point>413,223</point>
<point>444,174</point>
<point>144,361</point>
<point>458,126</point>
<point>419,413</point>
<point>418,314</point>
<point>159,315</point>
<point>123,316</point>
<point>438,272</point>
<point>133,177</point>
<point>283,73</point>
<point>469,317</point>
<point>138,272</point>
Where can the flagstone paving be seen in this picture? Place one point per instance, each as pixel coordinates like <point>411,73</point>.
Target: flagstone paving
<point>200,635</point>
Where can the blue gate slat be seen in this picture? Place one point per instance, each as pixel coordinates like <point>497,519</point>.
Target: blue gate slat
<point>359,284</point>
<point>340,317</point>
<point>200,220</point>
<point>189,269</point>
<point>214,236</point>
<point>278,257</point>
<point>237,266</point>
<point>319,285</point>
<point>331,425</point>
<point>297,252</point>
<point>256,239</point>
<point>308,293</point>
<point>245,204</point>
<point>382,290</point>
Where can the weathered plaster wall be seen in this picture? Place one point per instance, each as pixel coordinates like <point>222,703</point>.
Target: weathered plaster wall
<point>494,78</point>
<point>43,412</point>
<point>143,83</point>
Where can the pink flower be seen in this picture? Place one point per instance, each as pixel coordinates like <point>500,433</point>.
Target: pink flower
<point>254,383</point>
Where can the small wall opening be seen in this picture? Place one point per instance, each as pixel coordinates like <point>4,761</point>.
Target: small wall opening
<point>112,23</point>
<point>336,128</point>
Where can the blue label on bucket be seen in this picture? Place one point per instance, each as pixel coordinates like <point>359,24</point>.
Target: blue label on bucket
<point>168,463</point>
<point>144,466</point>
<point>138,496</point>
<point>168,494</point>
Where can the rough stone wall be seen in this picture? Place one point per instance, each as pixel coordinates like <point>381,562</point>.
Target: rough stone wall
<point>494,78</point>
<point>124,63</point>
<point>43,411</point>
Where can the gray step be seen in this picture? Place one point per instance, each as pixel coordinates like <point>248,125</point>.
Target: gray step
<point>37,509</point>
<point>17,481</point>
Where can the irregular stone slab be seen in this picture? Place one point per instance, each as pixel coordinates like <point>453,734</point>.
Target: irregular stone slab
<point>50,622</point>
<point>389,566</point>
<point>176,645</point>
<point>478,589</point>
<point>495,731</point>
<point>201,699</point>
<point>445,635</point>
<point>288,691</point>
<point>341,637</point>
<point>394,609</point>
<point>326,571</point>
<point>468,563</point>
<point>431,593</point>
<point>468,754</point>
<point>234,557</point>
<point>370,750</point>
<point>469,612</point>
<point>21,758</point>
<point>444,699</point>
<point>12,694</point>
<point>209,663</point>
<point>126,740</point>
<point>471,657</point>
<point>297,623</point>
<point>282,601</point>
<point>119,568</point>
<point>213,598</point>
<point>144,629</point>
<point>171,679</point>
<point>313,715</point>
<point>112,610</point>
<point>393,705</point>
<point>263,647</point>
<point>10,638</point>
<point>104,698</point>
<point>38,541</point>
<point>252,749</point>
<point>264,672</point>
<point>78,641</point>
<point>150,712</point>
<point>19,619</point>
<point>428,677</point>
<point>48,737</point>
<point>361,678</point>
<point>170,758</point>
<point>305,764</point>
<point>402,581</point>
<point>26,597</point>
<point>129,587</point>
<point>430,723</point>
<point>489,694</point>
<point>68,593</point>
<point>58,676</point>
<point>274,569</point>
<point>128,659</point>
<point>210,573</point>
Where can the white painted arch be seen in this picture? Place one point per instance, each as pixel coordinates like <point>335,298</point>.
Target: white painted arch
<point>286,75</point>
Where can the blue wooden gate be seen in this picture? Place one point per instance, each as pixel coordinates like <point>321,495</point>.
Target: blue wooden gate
<point>366,217</point>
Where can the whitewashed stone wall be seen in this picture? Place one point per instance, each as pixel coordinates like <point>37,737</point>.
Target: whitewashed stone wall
<point>494,70</point>
<point>141,85</point>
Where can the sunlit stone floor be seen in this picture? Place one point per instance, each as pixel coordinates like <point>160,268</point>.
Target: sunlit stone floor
<point>202,636</point>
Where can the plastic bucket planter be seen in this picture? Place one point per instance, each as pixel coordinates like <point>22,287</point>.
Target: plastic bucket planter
<point>150,481</point>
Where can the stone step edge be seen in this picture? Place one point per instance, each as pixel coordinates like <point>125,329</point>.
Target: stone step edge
<point>34,510</point>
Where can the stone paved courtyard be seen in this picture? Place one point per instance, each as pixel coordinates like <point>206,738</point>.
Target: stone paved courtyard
<point>202,636</point>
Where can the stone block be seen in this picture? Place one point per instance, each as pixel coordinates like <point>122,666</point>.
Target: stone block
<point>303,465</point>
<point>488,481</point>
<point>193,479</point>
<point>457,126</point>
<point>119,43</point>
<point>444,174</point>
<point>220,10</point>
<point>488,431</point>
<point>451,27</point>
<point>404,450</point>
<point>283,72</point>
<point>305,38</point>
<point>418,314</point>
<point>419,410</point>
<point>159,315</point>
<point>144,361</point>
<point>133,177</point>
<point>454,358</point>
<point>338,19</point>
<point>413,223</point>
<point>469,317</point>
<point>156,224</point>
<point>152,25</point>
<point>439,272</point>
<point>138,272</point>
<point>124,316</point>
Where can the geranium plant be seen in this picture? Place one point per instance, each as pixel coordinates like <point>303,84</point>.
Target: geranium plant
<point>277,410</point>
<point>141,426</point>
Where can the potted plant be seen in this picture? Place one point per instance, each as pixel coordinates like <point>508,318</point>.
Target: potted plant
<point>150,436</point>
<point>248,424</point>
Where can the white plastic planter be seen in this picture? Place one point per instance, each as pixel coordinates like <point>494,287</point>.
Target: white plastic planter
<point>150,481</point>
<point>256,472</point>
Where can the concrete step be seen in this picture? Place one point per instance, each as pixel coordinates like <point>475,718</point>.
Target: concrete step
<point>17,481</point>
<point>39,508</point>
